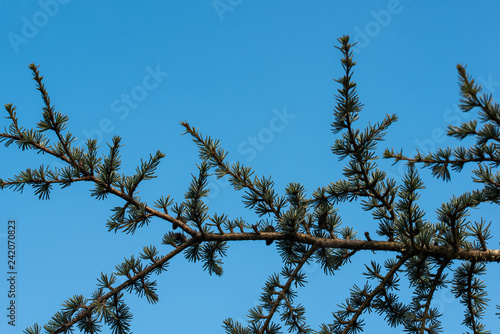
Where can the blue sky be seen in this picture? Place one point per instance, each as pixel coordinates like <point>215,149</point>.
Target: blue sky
<point>258,76</point>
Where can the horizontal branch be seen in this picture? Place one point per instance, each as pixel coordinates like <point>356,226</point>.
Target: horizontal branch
<point>490,255</point>
<point>40,181</point>
<point>448,161</point>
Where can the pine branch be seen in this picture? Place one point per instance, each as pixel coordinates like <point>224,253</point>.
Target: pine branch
<point>63,328</point>
<point>239,175</point>
<point>410,227</point>
<point>442,252</point>
<point>53,120</point>
<point>285,289</point>
<point>436,282</point>
<point>472,293</point>
<point>196,209</point>
<point>369,298</point>
<point>364,179</point>
<point>488,112</point>
<point>486,150</point>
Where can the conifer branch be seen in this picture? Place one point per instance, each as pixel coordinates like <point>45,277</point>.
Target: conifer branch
<point>429,295</point>
<point>469,297</point>
<point>368,298</point>
<point>364,179</point>
<point>260,191</point>
<point>132,280</point>
<point>472,293</point>
<point>53,120</point>
<point>486,150</point>
<point>147,209</point>
<point>442,252</point>
<point>282,295</point>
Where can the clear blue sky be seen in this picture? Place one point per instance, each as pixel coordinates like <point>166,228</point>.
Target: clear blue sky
<point>257,75</point>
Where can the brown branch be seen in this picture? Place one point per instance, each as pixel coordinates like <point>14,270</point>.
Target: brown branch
<point>430,296</point>
<point>432,161</point>
<point>371,186</point>
<point>116,192</point>
<point>469,296</point>
<point>366,303</point>
<point>44,149</point>
<point>49,109</point>
<point>286,288</point>
<point>185,227</point>
<point>221,165</point>
<point>83,178</point>
<point>109,188</point>
<point>139,276</point>
<point>443,252</point>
